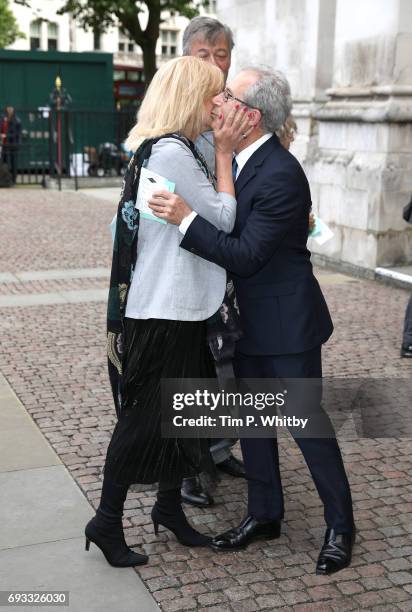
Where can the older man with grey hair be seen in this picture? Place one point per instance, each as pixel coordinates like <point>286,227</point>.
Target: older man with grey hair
<point>284,315</point>
<point>209,39</point>
<point>212,41</point>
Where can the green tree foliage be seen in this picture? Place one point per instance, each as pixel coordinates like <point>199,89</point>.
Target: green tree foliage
<point>9,30</point>
<point>98,15</point>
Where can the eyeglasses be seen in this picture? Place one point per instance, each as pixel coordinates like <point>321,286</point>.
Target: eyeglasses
<point>227,95</point>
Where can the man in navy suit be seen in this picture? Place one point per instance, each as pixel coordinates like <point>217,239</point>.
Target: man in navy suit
<point>284,315</point>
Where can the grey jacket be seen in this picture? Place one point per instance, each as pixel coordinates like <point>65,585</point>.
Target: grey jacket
<point>169,282</point>
<point>205,144</point>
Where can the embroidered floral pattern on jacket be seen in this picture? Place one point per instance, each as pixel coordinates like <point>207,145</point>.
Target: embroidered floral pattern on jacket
<point>122,293</point>
<point>130,214</point>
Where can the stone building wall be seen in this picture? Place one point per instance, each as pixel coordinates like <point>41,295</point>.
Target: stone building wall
<point>349,63</point>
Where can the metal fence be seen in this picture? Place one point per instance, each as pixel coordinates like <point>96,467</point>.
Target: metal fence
<point>71,144</point>
<point>96,142</point>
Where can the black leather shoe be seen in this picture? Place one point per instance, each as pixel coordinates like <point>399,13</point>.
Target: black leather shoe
<point>193,494</point>
<point>406,351</point>
<point>248,531</point>
<point>232,466</point>
<point>336,552</point>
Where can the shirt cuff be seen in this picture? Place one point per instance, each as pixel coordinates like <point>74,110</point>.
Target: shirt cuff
<point>183,227</point>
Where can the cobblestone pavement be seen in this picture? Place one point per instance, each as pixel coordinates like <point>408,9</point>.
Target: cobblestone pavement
<point>54,358</point>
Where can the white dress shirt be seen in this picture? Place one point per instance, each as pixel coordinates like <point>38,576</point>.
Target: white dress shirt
<point>241,159</point>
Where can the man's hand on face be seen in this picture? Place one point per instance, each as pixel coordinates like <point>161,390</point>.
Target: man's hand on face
<point>169,206</point>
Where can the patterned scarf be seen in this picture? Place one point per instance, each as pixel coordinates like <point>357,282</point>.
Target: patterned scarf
<point>223,328</point>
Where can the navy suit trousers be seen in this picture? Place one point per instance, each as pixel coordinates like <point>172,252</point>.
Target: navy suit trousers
<point>322,455</point>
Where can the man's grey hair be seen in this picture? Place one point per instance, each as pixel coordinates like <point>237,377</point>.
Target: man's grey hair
<point>271,95</point>
<point>208,29</point>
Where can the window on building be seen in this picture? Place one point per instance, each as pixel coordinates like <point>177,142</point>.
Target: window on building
<point>35,34</point>
<point>119,75</point>
<point>169,42</point>
<point>133,76</point>
<point>97,40</point>
<point>126,43</point>
<point>52,36</point>
<point>210,6</point>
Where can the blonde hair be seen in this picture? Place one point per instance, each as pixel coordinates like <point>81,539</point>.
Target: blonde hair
<point>286,132</point>
<point>174,101</point>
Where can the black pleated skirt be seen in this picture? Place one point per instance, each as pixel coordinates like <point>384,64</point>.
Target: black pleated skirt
<point>156,349</point>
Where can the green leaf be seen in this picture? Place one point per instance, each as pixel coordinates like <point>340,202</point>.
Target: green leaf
<point>9,30</point>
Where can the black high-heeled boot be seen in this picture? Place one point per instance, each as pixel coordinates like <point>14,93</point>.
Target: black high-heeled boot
<point>168,512</point>
<point>106,529</point>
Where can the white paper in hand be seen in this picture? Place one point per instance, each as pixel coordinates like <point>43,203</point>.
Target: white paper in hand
<point>321,232</point>
<point>150,182</point>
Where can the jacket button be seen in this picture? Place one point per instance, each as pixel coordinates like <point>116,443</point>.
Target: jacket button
<point>193,250</point>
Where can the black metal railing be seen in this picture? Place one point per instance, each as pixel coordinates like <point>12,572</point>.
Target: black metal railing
<point>97,143</point>
<point>71,144</point>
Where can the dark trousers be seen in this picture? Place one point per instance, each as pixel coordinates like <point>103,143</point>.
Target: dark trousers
<point>221,448</point>
<point>9,157</point>
<point>407,330</point>
<point>322,455</point>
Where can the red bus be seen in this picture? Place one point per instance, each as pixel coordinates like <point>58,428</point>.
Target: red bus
<point>128,86</point>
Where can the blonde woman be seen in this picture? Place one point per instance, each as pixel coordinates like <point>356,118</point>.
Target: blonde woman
<point>162,298</point>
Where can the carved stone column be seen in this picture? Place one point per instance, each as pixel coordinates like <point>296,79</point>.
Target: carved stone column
<point>361,171</point>
<point>348,62</point>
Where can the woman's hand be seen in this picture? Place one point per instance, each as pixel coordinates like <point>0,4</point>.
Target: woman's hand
<point>169,206</point>
<point>229,131</point>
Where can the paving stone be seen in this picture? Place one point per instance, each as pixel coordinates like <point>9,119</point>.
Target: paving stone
<point>371,570</point>
<point>369,600</point>
<point>246,605</point>
<point>350,588</point>
<point>342,604</point>
<point>54,358</point>
<point>211,598</point>
<point>400,578</point>
<point>270,602</point>
<point>296,597</point>
<point>323,592</point>
<point>238,593</point>
<point>162,582</point>
<point>183,603</point>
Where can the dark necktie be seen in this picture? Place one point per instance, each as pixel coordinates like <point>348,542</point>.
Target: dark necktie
<point>234,168</point>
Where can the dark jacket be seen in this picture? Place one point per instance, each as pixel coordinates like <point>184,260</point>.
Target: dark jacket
<point>11,130</point>
<point>282,308</point>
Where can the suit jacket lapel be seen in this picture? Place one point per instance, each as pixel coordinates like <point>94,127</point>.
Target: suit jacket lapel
<point>250,168</point>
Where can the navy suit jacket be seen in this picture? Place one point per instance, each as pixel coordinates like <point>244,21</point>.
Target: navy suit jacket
<point>282,307</point>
